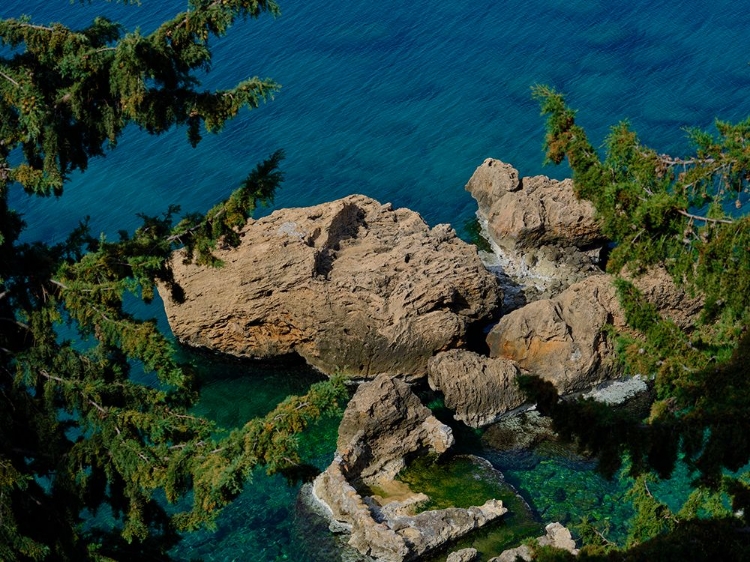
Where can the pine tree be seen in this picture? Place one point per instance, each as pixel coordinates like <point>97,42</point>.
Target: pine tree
<point>77,429</point>
<point>684,213</point>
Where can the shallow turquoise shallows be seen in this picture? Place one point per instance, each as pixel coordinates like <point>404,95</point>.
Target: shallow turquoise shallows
<point>400,101</point>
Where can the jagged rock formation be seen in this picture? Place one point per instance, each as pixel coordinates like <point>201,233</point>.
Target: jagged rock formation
<point>544,238</point>
<point>533,211</point>
<point>399,538</point>
<point>563,339</point>
<point>351,285</point>
<point>384,424</point>
<point>478,389</point>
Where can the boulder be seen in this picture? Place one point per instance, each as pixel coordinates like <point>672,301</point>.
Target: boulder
<point>383,426</point>
<point>352,286</point>
<point>478,389</point>
<point>558,536</point>
<point>533,211</point>
<point>555,535</point>
<point>463,555</point>
<point>563,340</point>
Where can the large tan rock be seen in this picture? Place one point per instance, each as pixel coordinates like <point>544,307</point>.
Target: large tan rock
<point>531,211</point>
<point>383,425</point>
<point>543,238</point>
<point>478,389</point>
<point>352,286</point>
<point>563,339</point>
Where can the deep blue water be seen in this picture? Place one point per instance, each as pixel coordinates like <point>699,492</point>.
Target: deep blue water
<point>401,101</point>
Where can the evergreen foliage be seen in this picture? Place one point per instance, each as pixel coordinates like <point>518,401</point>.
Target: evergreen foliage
<point>78,429</point>
<point>683,214</point>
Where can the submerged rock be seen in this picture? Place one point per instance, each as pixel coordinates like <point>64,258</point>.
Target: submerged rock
<point>520,432</point>
<point>463,555</point>
<point>352,286</point>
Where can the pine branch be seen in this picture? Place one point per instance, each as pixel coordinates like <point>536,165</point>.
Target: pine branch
<point>704,219</point>
<point>34,26</point>
<point>9,79</point>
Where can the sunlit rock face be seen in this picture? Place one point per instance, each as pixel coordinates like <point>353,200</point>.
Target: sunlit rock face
<point>543,238</point>
<point>564,339</point>
<point>533,211</point>
<point>352,286</point>
<point>385,424</point>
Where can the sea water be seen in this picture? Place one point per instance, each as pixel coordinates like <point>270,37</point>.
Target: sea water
<point>401,102</point>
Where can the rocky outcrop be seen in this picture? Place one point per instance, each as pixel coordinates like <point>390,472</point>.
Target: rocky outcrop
<point>397,538</point>
<point>352,286</point>
<point>478,389</point>
<point>532,211</point>
<point>543,238</point>
<point>563,339</point>
<point>556,536</point>
<point>383,426</point>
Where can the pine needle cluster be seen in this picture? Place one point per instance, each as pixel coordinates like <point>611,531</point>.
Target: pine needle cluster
<point>78,429</point>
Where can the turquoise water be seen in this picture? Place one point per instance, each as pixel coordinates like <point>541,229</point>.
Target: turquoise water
<point>265,522</point>
<point>401,102</point>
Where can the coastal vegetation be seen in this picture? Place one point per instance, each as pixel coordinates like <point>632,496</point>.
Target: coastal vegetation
<point>106,423</point>
<point>685,214</point>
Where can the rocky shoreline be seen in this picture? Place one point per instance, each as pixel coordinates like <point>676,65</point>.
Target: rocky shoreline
<point>359,288</point>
